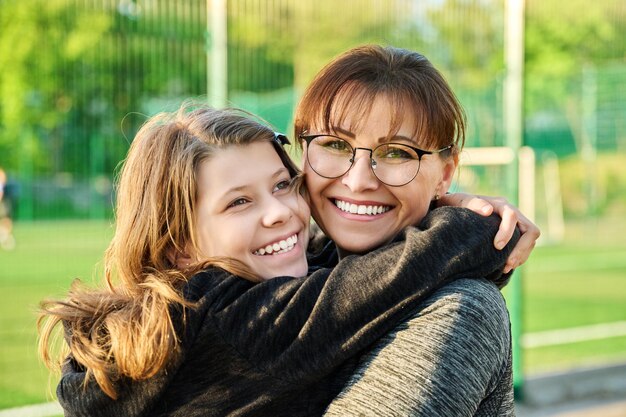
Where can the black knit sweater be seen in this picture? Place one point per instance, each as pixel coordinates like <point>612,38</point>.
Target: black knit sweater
<point>285,347</point>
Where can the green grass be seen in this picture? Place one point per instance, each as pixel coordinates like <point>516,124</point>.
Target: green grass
<point>48,256</point>
<point>580,282</point>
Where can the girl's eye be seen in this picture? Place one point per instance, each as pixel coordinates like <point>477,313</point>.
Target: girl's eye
<point>282,185</point>
<point>237,202</point>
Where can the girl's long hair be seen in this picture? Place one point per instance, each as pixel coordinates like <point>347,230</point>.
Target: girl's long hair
<point>125,328</point>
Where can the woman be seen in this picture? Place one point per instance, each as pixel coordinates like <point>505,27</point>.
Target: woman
<point>213,191</point>
<point>381,132</point>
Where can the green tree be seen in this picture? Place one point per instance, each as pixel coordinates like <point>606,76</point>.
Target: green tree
<point>40,42</point>
<point>560,42</point>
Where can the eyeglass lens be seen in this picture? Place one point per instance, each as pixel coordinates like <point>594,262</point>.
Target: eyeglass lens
<point>393,164</point>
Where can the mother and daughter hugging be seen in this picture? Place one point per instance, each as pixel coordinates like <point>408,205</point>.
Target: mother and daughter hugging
<point>219,297</point>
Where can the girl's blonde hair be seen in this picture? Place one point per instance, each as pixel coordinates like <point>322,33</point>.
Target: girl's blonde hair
<point>126,329</point>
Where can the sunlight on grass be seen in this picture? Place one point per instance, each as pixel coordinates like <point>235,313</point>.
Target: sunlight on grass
<point>579,282</point>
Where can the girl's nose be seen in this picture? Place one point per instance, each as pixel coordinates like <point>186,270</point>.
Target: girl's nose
<point>276,212</point>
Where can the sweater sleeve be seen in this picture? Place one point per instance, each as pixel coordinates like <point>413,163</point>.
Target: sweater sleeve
<point>452,358</point>
<point>301,329</point>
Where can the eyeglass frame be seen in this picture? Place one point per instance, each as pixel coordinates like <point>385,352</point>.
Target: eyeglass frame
<point>420,153</point>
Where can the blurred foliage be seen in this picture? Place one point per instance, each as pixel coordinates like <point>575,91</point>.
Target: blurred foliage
<point>565,44</point>
<point>77,78</point>
<point>70,72</point>
<point>597,188</point>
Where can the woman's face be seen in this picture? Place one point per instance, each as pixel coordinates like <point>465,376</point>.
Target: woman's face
<point>246,210</point>
<point>397,207</point>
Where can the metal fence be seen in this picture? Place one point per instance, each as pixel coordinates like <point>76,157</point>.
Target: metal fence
<point>78,77</point>
<point>107,64</point>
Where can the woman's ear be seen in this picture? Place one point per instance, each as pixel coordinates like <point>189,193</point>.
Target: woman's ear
<point>449,168</point>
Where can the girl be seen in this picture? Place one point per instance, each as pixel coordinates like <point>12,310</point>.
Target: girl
<point>189,322</point>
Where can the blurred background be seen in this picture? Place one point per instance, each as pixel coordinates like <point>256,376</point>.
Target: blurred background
<point>543,83</point>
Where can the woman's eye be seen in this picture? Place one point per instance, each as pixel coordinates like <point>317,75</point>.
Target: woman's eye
<point>394,153</point>
<point>334,144</point>
<point>337,144</point>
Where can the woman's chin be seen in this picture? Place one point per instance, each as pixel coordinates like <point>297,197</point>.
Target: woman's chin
<point>359,245</point>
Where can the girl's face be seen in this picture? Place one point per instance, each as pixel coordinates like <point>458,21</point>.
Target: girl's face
<point>247,210</point>
<point>334,201</point>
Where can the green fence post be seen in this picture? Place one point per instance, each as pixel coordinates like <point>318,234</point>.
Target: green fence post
<point>96,169</point>
<point>25,204</point>
<point>217,47</point>
<point>513,123</point>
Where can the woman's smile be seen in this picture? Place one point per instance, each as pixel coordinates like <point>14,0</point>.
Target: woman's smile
<point>361,210</point>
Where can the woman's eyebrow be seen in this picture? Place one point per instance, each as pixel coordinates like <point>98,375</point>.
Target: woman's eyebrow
<point>382,139</point>
<point>343,131</point>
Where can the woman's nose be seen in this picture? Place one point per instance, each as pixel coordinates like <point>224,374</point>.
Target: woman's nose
<point>361,177</point>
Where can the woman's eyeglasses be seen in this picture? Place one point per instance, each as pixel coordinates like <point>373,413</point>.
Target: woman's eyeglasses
<point>394,164</point>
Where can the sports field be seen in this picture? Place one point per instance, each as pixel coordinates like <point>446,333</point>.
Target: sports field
<point>578,283</point>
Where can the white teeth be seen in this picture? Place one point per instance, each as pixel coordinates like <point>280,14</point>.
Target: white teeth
<point>361,209</point>
<point>281,246</point>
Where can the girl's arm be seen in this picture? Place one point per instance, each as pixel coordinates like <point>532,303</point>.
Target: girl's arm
<point>304,328</point>
<point>511,216</point>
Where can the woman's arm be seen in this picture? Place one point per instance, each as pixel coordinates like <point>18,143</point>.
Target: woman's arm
<point>452,358</point>
<point>299,328</point>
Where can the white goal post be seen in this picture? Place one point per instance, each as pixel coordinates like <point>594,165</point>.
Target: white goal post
<point>504,155</point>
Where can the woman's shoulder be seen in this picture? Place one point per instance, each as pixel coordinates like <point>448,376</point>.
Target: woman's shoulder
<point>469,290</point>
<point>470,299</point>
<point>466,309</point>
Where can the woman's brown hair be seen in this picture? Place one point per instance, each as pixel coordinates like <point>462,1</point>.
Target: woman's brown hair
<point>412,84</point>
<point>126,329</point>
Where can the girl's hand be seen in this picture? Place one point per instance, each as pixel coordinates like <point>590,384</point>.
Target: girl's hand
<point>511,216</point>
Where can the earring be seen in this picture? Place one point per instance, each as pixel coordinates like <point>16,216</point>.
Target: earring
<point>436,197</point>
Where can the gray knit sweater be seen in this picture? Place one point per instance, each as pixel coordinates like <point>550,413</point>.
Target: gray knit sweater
<point>287,346</point>
<point>452,358</point>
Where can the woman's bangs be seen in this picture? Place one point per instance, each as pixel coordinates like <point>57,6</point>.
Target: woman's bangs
<point>351,100</point>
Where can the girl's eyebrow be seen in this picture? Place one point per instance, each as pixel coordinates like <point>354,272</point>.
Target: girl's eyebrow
<point>240,188</point>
